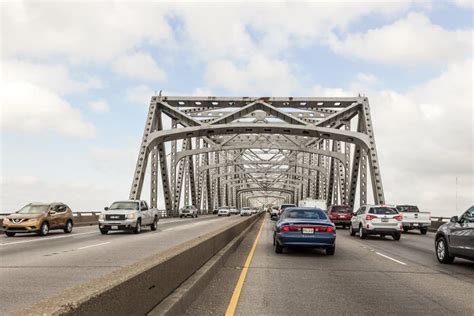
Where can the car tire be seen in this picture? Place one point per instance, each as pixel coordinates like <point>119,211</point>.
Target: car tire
<point>9,234</point>
<point>362,232</point>
<point>331,250</point>
<point>68,227</point>
<point>44,229</point>
<point>442,251</point>
<point>218,214</point>
<point>138,227</point>
<point>351,230</point>
<point>278,247</point>
<point>154,225</point>
<point>405,229</point>
<point>343,226</point>
<point>103,231</point>
<point>396,236</point>
<point>423,231</point>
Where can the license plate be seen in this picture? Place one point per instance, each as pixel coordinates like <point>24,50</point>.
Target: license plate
<point>384,220</point>
<point>114,227</point>
<point>307,230</point>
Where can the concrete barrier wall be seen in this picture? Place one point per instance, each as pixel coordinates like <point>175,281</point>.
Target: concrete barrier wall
<point>138,288</point>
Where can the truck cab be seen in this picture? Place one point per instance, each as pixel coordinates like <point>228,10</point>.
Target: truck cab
<point>128,215</point>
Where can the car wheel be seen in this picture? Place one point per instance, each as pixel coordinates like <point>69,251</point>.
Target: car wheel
<point>278,247</point>
<point>138,228</point>
<point>362,233</point>
<point>396,236</point>
<point>68,227</point>
<point>103,231</point>
<point>331,250</point>
<point>343,226</point>
<point>154,226</point>
<point>442,252</point>
<point>44,229</point>
<point>351,230</point>
<point>423,231</point>
<point>405,229</point>
<point>9,234</point>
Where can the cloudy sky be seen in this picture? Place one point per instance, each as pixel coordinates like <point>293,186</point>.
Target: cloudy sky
<point>77,77</point>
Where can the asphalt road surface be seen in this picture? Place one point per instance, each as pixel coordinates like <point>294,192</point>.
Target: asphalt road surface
<point>33,267</point>
<point>374,276</point>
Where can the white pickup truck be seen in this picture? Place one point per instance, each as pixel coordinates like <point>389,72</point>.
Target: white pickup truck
<point>414,219</point>
<point>129,215</point>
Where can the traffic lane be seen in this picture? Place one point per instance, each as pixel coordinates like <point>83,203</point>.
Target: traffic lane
<point>43,272</point>
<point>420,249</point>
<point>356,280</point>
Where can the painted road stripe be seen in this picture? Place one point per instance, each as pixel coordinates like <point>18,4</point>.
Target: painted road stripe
<point>390,258</point>
<point>45,239</point>
<point>90,246</point>
<point>240,283</point>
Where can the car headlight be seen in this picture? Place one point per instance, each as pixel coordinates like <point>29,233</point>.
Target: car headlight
<point>101,217</point>
<point>130,215</point>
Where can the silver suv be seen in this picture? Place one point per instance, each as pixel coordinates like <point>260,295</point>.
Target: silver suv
<point>189,210</point>
<point>376,220</point>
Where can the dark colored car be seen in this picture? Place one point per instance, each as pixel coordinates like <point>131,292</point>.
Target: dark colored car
<point>456,238</point>
<point>304,227</point>
<point>340,215</point>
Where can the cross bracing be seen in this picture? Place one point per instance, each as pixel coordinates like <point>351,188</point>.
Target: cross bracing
<point>228,150</point>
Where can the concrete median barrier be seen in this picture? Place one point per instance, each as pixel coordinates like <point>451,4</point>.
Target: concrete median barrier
<point>136,289</point>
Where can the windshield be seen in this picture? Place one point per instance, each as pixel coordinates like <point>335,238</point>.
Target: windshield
<point>33,209</point>
<point>341,209</point>
<point>408,208</point>
<point>124,206</point>
<point>305,214</point>
<point>383,210</point>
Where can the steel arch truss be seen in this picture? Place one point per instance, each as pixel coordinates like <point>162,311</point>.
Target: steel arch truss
<point>211,151</point>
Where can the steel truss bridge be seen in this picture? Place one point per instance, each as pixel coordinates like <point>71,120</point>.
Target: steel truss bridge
<point>244,151</point>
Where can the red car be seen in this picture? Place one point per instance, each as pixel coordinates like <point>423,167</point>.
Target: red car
<point>340,215</point>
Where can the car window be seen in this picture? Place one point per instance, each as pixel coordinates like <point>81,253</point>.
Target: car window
<point>468,216</point>
<point>408,208</point>
<point>340,209</point>
<point>61,208</point>
<point>382,210</point>
<point>304,214</point>
<point>124,206</point>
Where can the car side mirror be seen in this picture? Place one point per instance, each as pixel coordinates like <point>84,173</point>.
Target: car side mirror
<point>106,208</point>
<point>52,212</point>
<point>454,219</point>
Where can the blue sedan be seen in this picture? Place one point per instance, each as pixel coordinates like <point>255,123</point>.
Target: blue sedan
<point>304,227</point>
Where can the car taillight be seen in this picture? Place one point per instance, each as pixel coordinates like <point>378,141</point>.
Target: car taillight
<point>370,217</point>
<point>285,228</point>
<point>330,229</point>
<point>398,217</point>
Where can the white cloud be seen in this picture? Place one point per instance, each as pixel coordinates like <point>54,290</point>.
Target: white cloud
<point>29,108</point>
<point>259,76</point>
<point>99,106</point>
<point>140,95</point>
<point>54,77</point>
<point>138,66</point>
<point>463,3</point>
<point>412,40</point>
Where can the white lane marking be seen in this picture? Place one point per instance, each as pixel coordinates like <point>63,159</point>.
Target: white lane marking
<point>90,246</point>
<point>44,239</point>
<point>390,258</point>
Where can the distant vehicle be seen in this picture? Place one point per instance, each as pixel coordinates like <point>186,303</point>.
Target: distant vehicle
<point>274,212</point>
<point>129,215</point>
<point>234,210</point>
<point>456,238</point>
<point>188,210</point>
<point>414,219</point>
<point>284,206</point>
<point>245,211</point>
<point>304,227</point>
<point>39,218</point>
<point>340,215</point>
<point>254,210</point>
<point>376,220</point>
<point>223,211</point>
<point>321,204</point>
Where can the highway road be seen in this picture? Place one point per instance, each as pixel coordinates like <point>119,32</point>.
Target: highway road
<point>374,276</point>
<point>33,267</point>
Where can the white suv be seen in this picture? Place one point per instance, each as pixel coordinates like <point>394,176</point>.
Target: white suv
<point>376,220</point>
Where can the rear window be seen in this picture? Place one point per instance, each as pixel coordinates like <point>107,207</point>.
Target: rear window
<point>341,209</point>
<point>408,208</point>
<point>383,211</point>
<point>305,214</point>
<point>284,206</point>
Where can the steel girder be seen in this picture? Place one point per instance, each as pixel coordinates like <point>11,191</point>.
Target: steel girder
<point>242,136</point>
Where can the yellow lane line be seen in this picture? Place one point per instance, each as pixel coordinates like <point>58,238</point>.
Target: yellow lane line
<point>238,288</point>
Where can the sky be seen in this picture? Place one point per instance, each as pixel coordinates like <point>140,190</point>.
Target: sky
<point>77,77</point>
